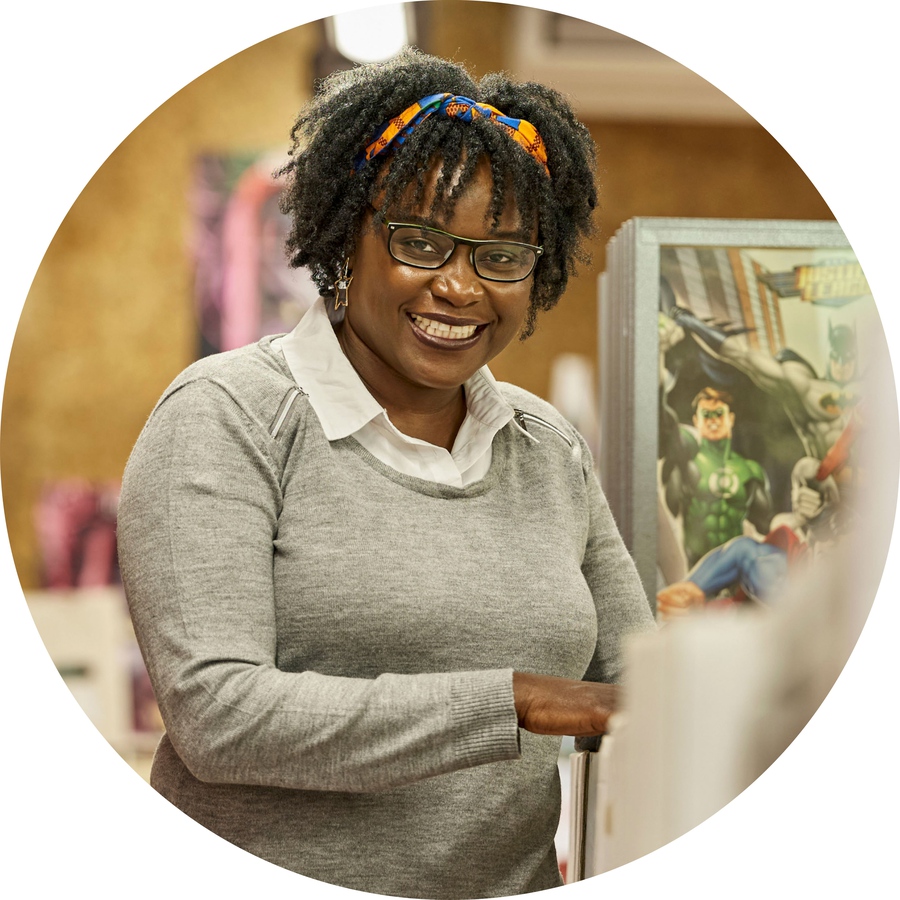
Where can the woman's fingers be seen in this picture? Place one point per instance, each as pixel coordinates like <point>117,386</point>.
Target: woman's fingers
<point>546,704</point>
<point>678,599</point>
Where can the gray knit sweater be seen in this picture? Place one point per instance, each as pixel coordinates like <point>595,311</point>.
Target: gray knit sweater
<point>332,643</point>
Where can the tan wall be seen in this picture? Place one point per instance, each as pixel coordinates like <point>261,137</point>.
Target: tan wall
<point>109,319</point>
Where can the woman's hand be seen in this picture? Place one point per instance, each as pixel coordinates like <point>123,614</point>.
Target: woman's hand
<point>679,599</point>
<point>546,704</point>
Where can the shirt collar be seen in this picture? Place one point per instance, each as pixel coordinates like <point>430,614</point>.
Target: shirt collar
<point>338,396</point>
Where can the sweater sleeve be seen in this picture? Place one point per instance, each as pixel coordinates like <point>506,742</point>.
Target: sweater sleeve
<point>622,606</point>
<point>198,515</point>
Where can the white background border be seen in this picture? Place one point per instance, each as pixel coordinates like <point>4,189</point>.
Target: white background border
<point>77,77</point>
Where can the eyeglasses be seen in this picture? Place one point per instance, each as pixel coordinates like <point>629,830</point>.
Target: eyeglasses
<point>430,248</point>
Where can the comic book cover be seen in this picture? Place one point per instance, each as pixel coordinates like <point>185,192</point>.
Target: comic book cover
<point>761,361</point>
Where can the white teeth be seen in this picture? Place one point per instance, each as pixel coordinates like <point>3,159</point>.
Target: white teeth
<point>440,329</point>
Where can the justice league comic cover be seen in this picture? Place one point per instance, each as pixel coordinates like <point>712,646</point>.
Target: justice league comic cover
<point>761,405</point>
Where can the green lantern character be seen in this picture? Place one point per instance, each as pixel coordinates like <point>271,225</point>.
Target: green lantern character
<point>713,488</point>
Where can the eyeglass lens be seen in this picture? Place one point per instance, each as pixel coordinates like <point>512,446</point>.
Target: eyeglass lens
<point>495,260</point>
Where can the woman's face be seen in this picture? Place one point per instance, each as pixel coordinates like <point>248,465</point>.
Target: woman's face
<point>392,305</point>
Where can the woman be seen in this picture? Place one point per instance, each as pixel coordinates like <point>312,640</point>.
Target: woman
<point>367,579</point>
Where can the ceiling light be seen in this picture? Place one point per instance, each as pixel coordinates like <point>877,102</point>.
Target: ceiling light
<point>373,34</point>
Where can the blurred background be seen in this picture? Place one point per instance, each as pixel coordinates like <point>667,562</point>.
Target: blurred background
<point>127,293</point>
<point>173,251</point>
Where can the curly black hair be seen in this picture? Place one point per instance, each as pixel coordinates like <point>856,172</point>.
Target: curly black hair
<point>327,197</point>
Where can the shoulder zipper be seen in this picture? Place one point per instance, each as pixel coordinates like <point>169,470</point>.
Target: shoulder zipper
<point>283,409</point>
<point>522,417</point>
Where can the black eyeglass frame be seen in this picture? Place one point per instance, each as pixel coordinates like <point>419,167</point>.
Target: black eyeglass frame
<point>466,242</point>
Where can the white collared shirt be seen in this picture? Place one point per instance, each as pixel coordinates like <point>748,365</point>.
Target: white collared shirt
<point>345,407</point>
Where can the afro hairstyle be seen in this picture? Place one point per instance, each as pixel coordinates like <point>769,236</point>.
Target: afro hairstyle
<point>326,196</point>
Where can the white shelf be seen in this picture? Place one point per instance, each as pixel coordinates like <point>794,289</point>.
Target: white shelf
<point>90,640</point>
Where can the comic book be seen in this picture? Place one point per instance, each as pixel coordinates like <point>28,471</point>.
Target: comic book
<point>745,360</point>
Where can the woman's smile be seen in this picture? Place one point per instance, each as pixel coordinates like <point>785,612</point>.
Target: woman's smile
<point>444,328</point>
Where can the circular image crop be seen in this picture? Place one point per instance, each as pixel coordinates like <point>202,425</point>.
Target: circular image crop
<point>337,569</point>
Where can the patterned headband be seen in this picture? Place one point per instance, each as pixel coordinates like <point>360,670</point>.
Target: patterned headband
<point>397,130</point>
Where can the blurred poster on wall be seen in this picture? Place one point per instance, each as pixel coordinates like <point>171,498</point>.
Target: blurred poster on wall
<point>751,338</point>
<point>243,286</point>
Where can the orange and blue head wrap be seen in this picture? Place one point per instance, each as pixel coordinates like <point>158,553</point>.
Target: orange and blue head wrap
<point>398,129</point>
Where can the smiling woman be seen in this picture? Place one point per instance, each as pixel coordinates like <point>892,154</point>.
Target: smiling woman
<point>374,586</point>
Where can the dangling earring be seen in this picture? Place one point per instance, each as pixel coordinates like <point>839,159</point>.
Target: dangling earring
<point>341,286</point>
